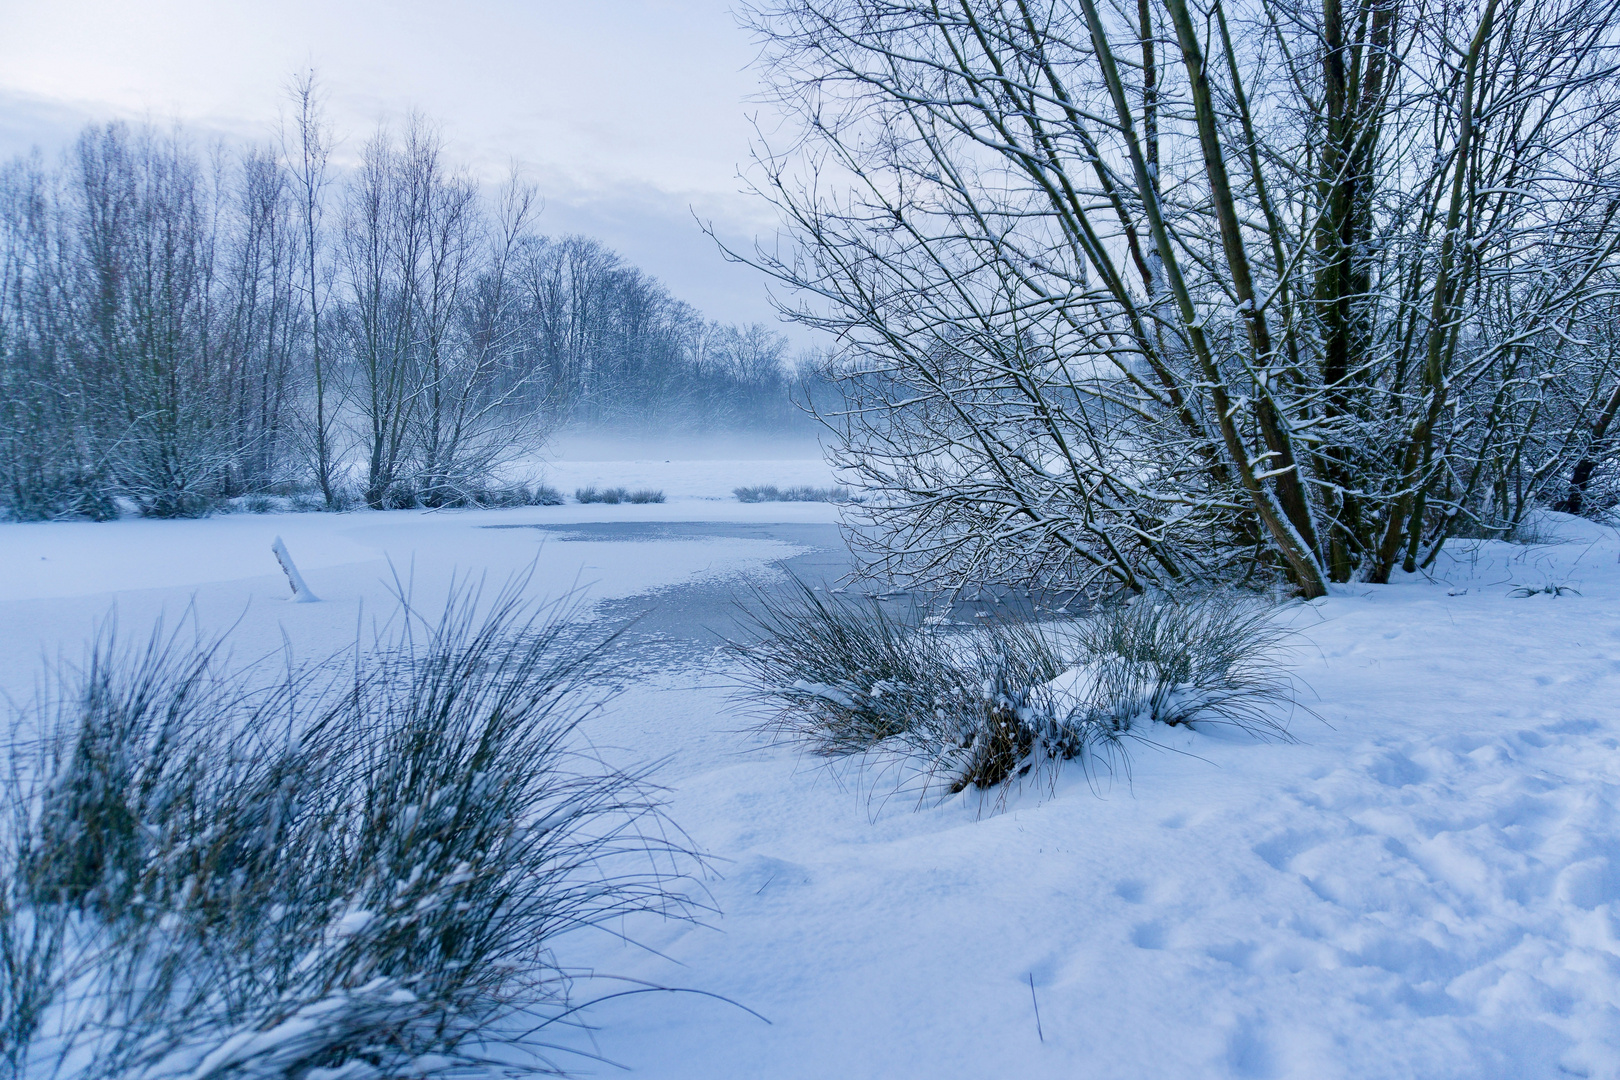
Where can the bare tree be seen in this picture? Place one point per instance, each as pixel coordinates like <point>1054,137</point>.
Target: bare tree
<point>481,411</point>
<point>307,152</point>
<point>144,289</point>
<point>1147,293</point>
<point>49,463</point>
<point>259,320</point>
<point>383,237</point>
<point>438,292</point>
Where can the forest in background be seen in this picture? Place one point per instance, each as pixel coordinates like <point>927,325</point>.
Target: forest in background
<point>183,325</point>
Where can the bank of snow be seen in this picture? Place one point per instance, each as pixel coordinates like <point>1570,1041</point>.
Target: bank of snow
<point>1426,885</point>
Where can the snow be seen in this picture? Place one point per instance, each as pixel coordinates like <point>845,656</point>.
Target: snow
<point>1425,885</point>
<point>830,693</point>
<point>64,579</point>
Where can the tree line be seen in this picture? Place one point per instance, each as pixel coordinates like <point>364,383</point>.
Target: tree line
<point>1137,293</point>
<point>180,326</point>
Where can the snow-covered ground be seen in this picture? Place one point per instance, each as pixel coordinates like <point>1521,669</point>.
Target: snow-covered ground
<point>1425,885</point>
<point>60,580</point>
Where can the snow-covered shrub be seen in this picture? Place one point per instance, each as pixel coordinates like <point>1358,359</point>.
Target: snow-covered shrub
<point>263,504</point>
<point>545,495</point>
<point>502,497</point>
<point>472,495</point>
<point>772,493</point>
<point>1213,659</point>
<point>360,869</point>
<point>615,495</point>
<point>842,677</point>
<point>980,706</point>
<point>51,495</point>
<point>310,501</point>
<point>593,494</point>
<point>399,495</point>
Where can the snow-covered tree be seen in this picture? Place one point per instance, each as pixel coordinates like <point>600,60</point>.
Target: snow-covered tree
<point>1147,291</point>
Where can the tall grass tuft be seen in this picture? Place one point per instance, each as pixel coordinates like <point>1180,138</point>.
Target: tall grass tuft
<point>615,495</point>
<point>841,676</point>
<point>845,677</point>
<point>593,494</point>
<point>1213,659</point>
<point>803,493</point>
<point>981,706</point>
<point>359,870</point>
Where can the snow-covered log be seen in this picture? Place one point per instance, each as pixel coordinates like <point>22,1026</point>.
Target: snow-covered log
<point>301,592</point>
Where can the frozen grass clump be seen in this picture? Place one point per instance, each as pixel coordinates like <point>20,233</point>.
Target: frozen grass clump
<point>546,495</point>
<point>771,493</point>
<point>1213,659</point>
<point>515,494</point>
<point>263,504</point>
<point>976,708</point>
<point>616,495</point>
<point>446,494</point>
<point>841,675</point>
<point>344,496</point>
<point>358,870</point>
<point>844,677</point>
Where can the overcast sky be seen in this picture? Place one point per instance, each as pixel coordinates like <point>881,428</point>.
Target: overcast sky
<point>630,114</point>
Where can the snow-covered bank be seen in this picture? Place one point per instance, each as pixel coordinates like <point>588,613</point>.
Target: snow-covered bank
<point>1426,885</point>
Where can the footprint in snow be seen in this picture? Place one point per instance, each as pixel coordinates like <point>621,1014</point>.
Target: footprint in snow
<point>1130,891</point>
<point>761,874</point>
<point>1150,935</point>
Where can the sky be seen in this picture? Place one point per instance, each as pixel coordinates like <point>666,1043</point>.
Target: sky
<point>632,116</point>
